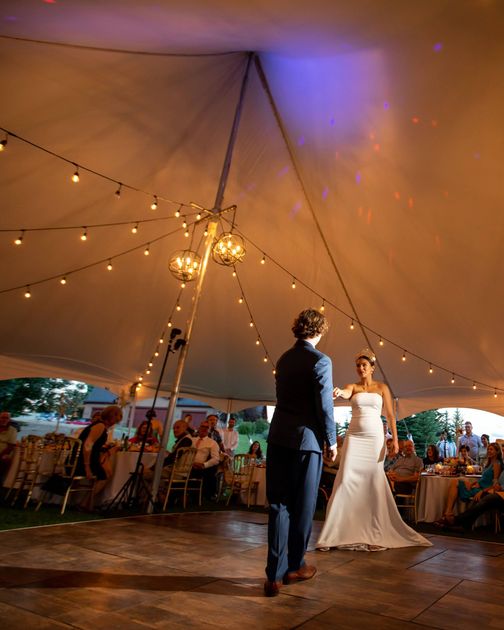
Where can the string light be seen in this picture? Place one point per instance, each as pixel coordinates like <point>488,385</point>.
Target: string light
<point>381,342</point>
<point>169,324</point>
<point>265,359</point>
<point>184,224</point>
<point>430,369</point>
<point>240,300</point>
<point>177,213</point>
<point>205,233</point>
<point>154,203</point>
<point>322,308</point>
<point>251,324</point>
<point>182,285</point>
<point>258,342</point>
<point>19,239</point>
<point>147,250</point>
<point>474,385</point>
<point>156,353</point>
<point>27,292</point>
<point>263,260</point>
<point>274,371</point>
<point>495,394</point>
<point>140,378</point>
<point>134,229</point>
<point>178,307</point>
<point>118,191</point>
<point>3,143</point>
<point>198,217</point>
<point>63,280</point>
<point>293,285</point>
<point>186,233</point>
<point>147,371</point>
<point>403,357</point>
<point>161,340</point>
<point>233,273</point>
<point>75,176</point>
<point>453,379</point>
<point>151,364</point>
<point>109,266</point>
<point>352,326</point>
<point>84,235</point>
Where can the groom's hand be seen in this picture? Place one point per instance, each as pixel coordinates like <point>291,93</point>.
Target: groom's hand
<point>332,451</point>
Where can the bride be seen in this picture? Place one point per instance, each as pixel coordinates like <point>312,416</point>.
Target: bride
<point>362,514</point>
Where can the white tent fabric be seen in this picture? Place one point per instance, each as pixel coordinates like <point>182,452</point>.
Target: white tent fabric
<point>392,140</point>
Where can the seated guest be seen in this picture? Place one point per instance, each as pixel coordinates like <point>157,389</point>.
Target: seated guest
<point>390,457</point>
<point>207,459</point>
<point>482,452</point>
<point>465,490</point>
<point>213,432</point>
<point>8,438</point>
<point>140,433</point>
<point>182,440</point>
<point>405,472</point>
<point>91,464</point>
<point>230,437</point>
<point>157,428</point>
<point>188,420</point>
<point>431,456</point>
<point>255,449</point>
<point>464,456</point>
<point>483,501</point>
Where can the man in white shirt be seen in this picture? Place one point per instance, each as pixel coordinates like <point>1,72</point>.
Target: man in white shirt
<point>206,460</point>
<point>230,437</point>
<point>445,447</point>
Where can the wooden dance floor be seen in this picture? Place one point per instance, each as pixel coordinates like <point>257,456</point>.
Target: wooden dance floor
<point>206,571</point>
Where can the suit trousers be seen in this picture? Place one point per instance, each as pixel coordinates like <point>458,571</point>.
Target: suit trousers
<point>292,480</point>
<point>476,509</point>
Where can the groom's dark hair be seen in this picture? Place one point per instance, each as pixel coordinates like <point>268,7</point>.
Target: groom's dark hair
<point>310,323</point>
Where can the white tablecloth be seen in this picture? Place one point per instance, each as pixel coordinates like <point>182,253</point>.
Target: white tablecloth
<point>432,495</point>
<point>259,475</point>
<point>123,463</point>
<point>46,466</point>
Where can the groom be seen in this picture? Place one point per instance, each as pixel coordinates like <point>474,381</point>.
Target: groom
<point>302,423</point>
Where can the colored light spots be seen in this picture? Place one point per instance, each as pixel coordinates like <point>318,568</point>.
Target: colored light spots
<point>332,122</point>
<point>283,171</point>
<point>295,209</point>
<point>397,195</point>
<point>438,47</point>
<point>325,192</point>
<point>301,141</point>
<point>477,155</point>
<point>337,155</point>
<point>386,105</point>
<point>434,123</point>
<point>49,1</point>
<point>376,147</point>
<point>415,120</point>
<point>411,203</point>
<point>358,177</point>
<point>372,135</point>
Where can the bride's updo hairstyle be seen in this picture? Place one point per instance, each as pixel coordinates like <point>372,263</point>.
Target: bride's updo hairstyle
<point>310,323</point>
<point>366,354</point>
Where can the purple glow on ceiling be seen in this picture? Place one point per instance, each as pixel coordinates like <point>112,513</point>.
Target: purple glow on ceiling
<point>332,121</point>
<point>325,192</point>
<point>10,18</point>
<point>295,209</point>
<point>301,141</point>
<point>283,171</point>
<point>438,47</point>
<point>358,177</point>
<point>386,105</point>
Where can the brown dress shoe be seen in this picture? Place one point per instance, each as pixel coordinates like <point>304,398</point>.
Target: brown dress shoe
<point>306,572</point>
<point>271,589</point>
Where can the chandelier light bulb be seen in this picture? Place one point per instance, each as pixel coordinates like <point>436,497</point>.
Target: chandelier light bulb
<point>27,292</point>
<point>19,239</point>
<point>154,203</point>
<point>75,176</point>
<point>84,235</point>
<point>134,229</point>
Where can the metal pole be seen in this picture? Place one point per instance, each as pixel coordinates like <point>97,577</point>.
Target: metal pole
<point>212,229</point>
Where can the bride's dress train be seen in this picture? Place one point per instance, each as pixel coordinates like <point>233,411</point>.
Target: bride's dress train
<point>362,513</point>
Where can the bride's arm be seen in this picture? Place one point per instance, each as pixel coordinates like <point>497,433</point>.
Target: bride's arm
<point>388,410</point>
<point>345,393</point>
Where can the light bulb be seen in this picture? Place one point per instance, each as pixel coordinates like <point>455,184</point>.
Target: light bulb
<point>109,266</point>
<point>495,394</point>
<point>265,359</point>
<point>184,224</point>
<point>198,217</point>
<point>151,364</point>
<point>19,239</point>
<point>146,251</point>
<point>182,285</point>
<point>234,274</point>
<point>352,325</point>
<point>293,285</point>
<point>153,205</point>
<point>240,300</point>
<point>118,191</point>
<point>177,213</point>
<point>205,233</point>
<point>169,324</point>
<point>134,229</point>
<point>147,371</point>
<point>161,340</point>
<point>257,342</point>
<point>453,379</point>
<point>474,385</point>
<point>263,260</point>
<point>430,369</point>
<point>27,293</point>
<point>403,358</point>
<point>140,378</point>
<point>251,324</point>
<point>63,280</point>
<point>178,307</point>
<point>3,143</point>
<point>186,233</point>
<point>274,371</point>
<point>381,342</point>
<point>75,176</point>
<point>84,235</point>
<point>156,354</point>
<point>322,308</point>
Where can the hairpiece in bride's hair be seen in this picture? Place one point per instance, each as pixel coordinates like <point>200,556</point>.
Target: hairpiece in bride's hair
<point>366,353</point>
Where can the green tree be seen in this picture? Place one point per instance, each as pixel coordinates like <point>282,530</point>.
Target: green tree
<point>27,395</point>
<point>424,427</point>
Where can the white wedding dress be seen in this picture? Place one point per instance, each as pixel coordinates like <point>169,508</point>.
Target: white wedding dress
<point>362,514</point>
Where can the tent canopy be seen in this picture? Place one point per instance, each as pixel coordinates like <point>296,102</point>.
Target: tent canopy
<point>371,176</point>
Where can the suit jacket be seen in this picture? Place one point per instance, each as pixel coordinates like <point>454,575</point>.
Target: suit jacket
<point>304,413</point>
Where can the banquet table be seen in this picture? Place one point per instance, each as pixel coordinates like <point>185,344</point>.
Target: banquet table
<point>432,495</point>
<point>259,475</point>
<point>123,463</point>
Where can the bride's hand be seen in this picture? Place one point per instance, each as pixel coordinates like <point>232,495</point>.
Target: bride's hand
<point>336,392</point>
<point>396,447</point>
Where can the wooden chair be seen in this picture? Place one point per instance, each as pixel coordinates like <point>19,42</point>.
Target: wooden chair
<point>408,501</point>
<point>65,481</point>
<point>242,479</point>
<point>180,478</point>
<point>30,456</point>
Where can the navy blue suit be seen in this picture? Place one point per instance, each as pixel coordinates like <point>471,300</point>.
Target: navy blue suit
<point>302,423</point>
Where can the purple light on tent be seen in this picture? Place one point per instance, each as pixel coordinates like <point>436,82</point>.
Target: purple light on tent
<point>386,105</point>
<point>332,122</point>
<point>10,18</point>
<point>358,177</point>
<point>438,47</point>
<point>325,192</point>
<point>301,141</point>
<point>283,171</point>
<point>295,209</point>
<point>477,155</point>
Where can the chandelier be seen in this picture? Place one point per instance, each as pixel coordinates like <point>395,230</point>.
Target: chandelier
<point>228,249</point>
<point>185,265</point>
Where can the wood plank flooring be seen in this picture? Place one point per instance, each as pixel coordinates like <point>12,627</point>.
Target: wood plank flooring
<point>206,571</point>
